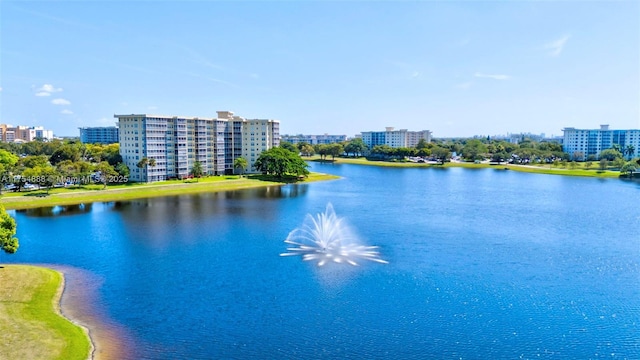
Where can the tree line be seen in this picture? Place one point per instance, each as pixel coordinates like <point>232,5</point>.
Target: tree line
<point>526,151</point>
<point>47,163</point>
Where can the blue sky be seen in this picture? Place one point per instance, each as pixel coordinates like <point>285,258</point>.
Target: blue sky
<point>455,68</point>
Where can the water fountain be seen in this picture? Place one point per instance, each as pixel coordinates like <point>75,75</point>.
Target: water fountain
<point>327,238</point>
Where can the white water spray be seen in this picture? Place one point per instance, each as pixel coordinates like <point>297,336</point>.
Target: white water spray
<point>327,238</point>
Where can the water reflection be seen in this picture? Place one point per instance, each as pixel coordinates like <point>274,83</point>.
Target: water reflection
<point>58,210</point>
<point>198,218</point>
<point>268,192</point>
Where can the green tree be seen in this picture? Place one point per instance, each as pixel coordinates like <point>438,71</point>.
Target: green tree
<point>603,164</point>
<point>474,150</point>
<point>441,154</point>
<point>123,170</point>
<point>301,144</point>
<point>356,147</point>
<point>610,154</point>
<point>106,171</point>
<point>629,168</point>
<point>335,150</point>
<point>65,152</point>
<point>144,163</point>
<point>422,144</point>
<point>196,170</point>
<point>322,150</point>
<point>240,163</point>
<point>8,241</point>
<point>618,163</point>
<point>32,161</point>
<point>8,161</point>
<point>588,165</point>
<point>280,162</point>
<point>44,176</point>
<point>307,150</point>
<point>289,146</point>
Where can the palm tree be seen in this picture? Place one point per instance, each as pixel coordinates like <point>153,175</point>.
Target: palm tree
<point>142,164</point>
<point>240,163</point>
<point>196,170</point>
<point>152,162</point>
<point>145,163</point>
<point>630,150</point>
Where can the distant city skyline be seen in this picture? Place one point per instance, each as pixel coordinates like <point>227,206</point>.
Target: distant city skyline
<point>458,69</point>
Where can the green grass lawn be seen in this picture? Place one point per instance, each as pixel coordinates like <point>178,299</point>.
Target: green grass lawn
<point>93,193</point>
<point>30,323</point>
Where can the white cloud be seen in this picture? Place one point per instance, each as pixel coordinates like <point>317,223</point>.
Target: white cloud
<point>492,76</point>
<point>415,74</point>
<point>60,102</point>
<point>555,47</point>
<point>464,86</point>
<point>49,88</point>
<point>66,112</point>
<point>0,88</point>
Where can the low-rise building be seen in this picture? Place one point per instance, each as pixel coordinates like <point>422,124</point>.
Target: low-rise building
<point>314,139</point>
<point>21,133</point>
<point>99,135</point>
<point>395,138</point>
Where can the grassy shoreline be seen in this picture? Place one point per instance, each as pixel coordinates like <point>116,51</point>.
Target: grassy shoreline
<point>95,193</point>
<point>30,319</point>
<point>522,168</point>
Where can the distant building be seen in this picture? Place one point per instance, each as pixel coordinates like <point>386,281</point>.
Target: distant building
<point>314,139</point>
<point>590,142</point>
<point>177,142</point>
<point>22,133</point>
<point>99,135</point>
<point>395,138</point>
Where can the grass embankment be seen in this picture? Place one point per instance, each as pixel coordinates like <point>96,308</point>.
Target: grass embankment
<point>30,322</point>
<point>130,191</point>
<point>538,169</point>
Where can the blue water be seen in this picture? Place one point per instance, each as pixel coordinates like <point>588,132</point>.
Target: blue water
<point>482,264</point>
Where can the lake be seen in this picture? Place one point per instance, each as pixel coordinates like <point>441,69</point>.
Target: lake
<point>483,263</point>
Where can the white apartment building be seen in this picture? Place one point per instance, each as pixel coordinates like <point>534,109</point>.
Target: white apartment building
<point>395,138</point>
<point>592,141</point>
<point>177,142</point>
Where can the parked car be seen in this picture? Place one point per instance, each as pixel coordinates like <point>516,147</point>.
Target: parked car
<point>29,186</point>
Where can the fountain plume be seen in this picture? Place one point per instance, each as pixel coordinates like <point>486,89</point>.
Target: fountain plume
<point>327,238</point>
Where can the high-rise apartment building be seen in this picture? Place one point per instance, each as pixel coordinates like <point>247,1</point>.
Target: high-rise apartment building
<point>395,138</point>
<point>590,142</point>
<point>177,142</point>
<point>99,135</point>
